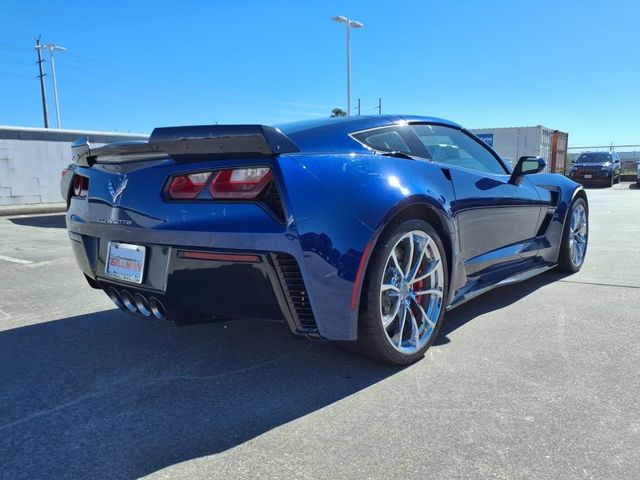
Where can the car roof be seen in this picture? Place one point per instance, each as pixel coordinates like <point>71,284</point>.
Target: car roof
<point>331,135</point>
<point>357,122</point>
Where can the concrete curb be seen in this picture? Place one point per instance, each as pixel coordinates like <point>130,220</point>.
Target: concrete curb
<point>33,209</point>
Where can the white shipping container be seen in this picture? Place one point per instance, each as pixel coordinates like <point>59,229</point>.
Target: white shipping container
<point>512,143</point>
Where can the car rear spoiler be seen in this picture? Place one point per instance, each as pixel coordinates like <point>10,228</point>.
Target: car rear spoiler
<point>189,144</point>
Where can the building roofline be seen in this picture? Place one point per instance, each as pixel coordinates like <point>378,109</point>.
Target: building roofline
<point>511,128</point>
<point>68,131</point>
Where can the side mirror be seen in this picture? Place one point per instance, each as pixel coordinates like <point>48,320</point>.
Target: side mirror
<point>526,166</point>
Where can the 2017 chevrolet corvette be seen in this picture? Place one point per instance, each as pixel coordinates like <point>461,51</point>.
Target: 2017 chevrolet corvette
<point>362,228</point>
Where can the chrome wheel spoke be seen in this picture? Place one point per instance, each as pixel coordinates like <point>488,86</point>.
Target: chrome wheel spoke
<point>409,256</point>
<point>433,291</point>
<point>425,317</point>
<point>415,330</point>
<point>387,286</point>
<point>416,267</point>
<point>403,320</point>
<point>394,257</point>
<point>430,271</point>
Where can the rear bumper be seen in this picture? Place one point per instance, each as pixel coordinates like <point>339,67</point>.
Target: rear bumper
<point>181,290</point>
<point>324,239</point>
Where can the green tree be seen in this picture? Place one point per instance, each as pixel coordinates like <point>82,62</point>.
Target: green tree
<point>338,112</point>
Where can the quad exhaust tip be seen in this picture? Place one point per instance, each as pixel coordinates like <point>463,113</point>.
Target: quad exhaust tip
<point>157,308</point>
<point>137,303</point>
<point>142,305</point>
<point>129,301</point>
<point>115,297</point>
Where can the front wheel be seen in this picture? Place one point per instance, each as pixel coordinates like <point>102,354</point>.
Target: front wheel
<point>403,295</point>
<point>573,247</point>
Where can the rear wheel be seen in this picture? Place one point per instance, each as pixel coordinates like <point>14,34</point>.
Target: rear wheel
<point>403,296</point>
<point>573,247</point>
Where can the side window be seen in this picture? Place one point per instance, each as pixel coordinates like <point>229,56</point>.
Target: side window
<point>387,139</point>
<point>452,147</point>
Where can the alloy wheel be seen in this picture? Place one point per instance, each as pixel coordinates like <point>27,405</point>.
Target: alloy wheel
<point>411,291</point>
<point>578,234</point>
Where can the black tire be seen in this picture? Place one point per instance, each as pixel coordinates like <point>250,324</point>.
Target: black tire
<point>372,339</point>
<point>564,260</point>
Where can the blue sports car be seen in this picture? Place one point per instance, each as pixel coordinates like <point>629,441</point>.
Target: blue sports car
<point>363,229</point>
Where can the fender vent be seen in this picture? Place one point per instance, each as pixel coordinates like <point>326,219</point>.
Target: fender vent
<point>295,292</point>
<point>545,223</point>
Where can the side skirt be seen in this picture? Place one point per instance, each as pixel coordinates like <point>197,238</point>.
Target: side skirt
<point>510,280</point>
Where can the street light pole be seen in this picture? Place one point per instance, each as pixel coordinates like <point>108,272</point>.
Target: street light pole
<point>51,47</point>
<point>349,24</point>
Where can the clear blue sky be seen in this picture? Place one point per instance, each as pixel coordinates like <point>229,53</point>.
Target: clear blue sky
<point>134,65</point>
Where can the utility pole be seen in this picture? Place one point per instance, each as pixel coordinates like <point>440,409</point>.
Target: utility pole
<point>379,106</point>
<point>42,89</point>
<point>358,106</point>
<point>51,47</point>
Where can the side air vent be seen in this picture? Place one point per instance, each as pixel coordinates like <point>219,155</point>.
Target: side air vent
<point>272,200</point>
<point>554,193</point>
<point>545,223</point>
<point>295,292</point>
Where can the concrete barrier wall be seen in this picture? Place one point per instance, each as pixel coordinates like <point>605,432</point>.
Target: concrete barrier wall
<point>32,159</point>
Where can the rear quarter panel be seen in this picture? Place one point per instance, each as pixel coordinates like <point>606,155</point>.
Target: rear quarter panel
<point>340,204</point>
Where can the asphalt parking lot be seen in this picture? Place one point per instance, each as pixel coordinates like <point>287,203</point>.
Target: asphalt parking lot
<point>537,380</point>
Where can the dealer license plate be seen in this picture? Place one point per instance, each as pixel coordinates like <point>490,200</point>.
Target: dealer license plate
<point>588,176</point>
<point>125,262</point>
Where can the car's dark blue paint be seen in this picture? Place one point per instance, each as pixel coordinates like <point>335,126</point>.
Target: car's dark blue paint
<point>338,197</point>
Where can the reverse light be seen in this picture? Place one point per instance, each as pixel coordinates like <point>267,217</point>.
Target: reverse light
<point>80,186</point>
<point>188,187</point>
<point>240,183</point>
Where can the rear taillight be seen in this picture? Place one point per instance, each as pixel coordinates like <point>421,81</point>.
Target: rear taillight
<point>188,187</point>
<point>235,184</point>
<point>245,183</point>
<point>80,186</point>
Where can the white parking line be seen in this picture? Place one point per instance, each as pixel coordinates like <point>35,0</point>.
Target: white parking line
<point>15,260</point>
